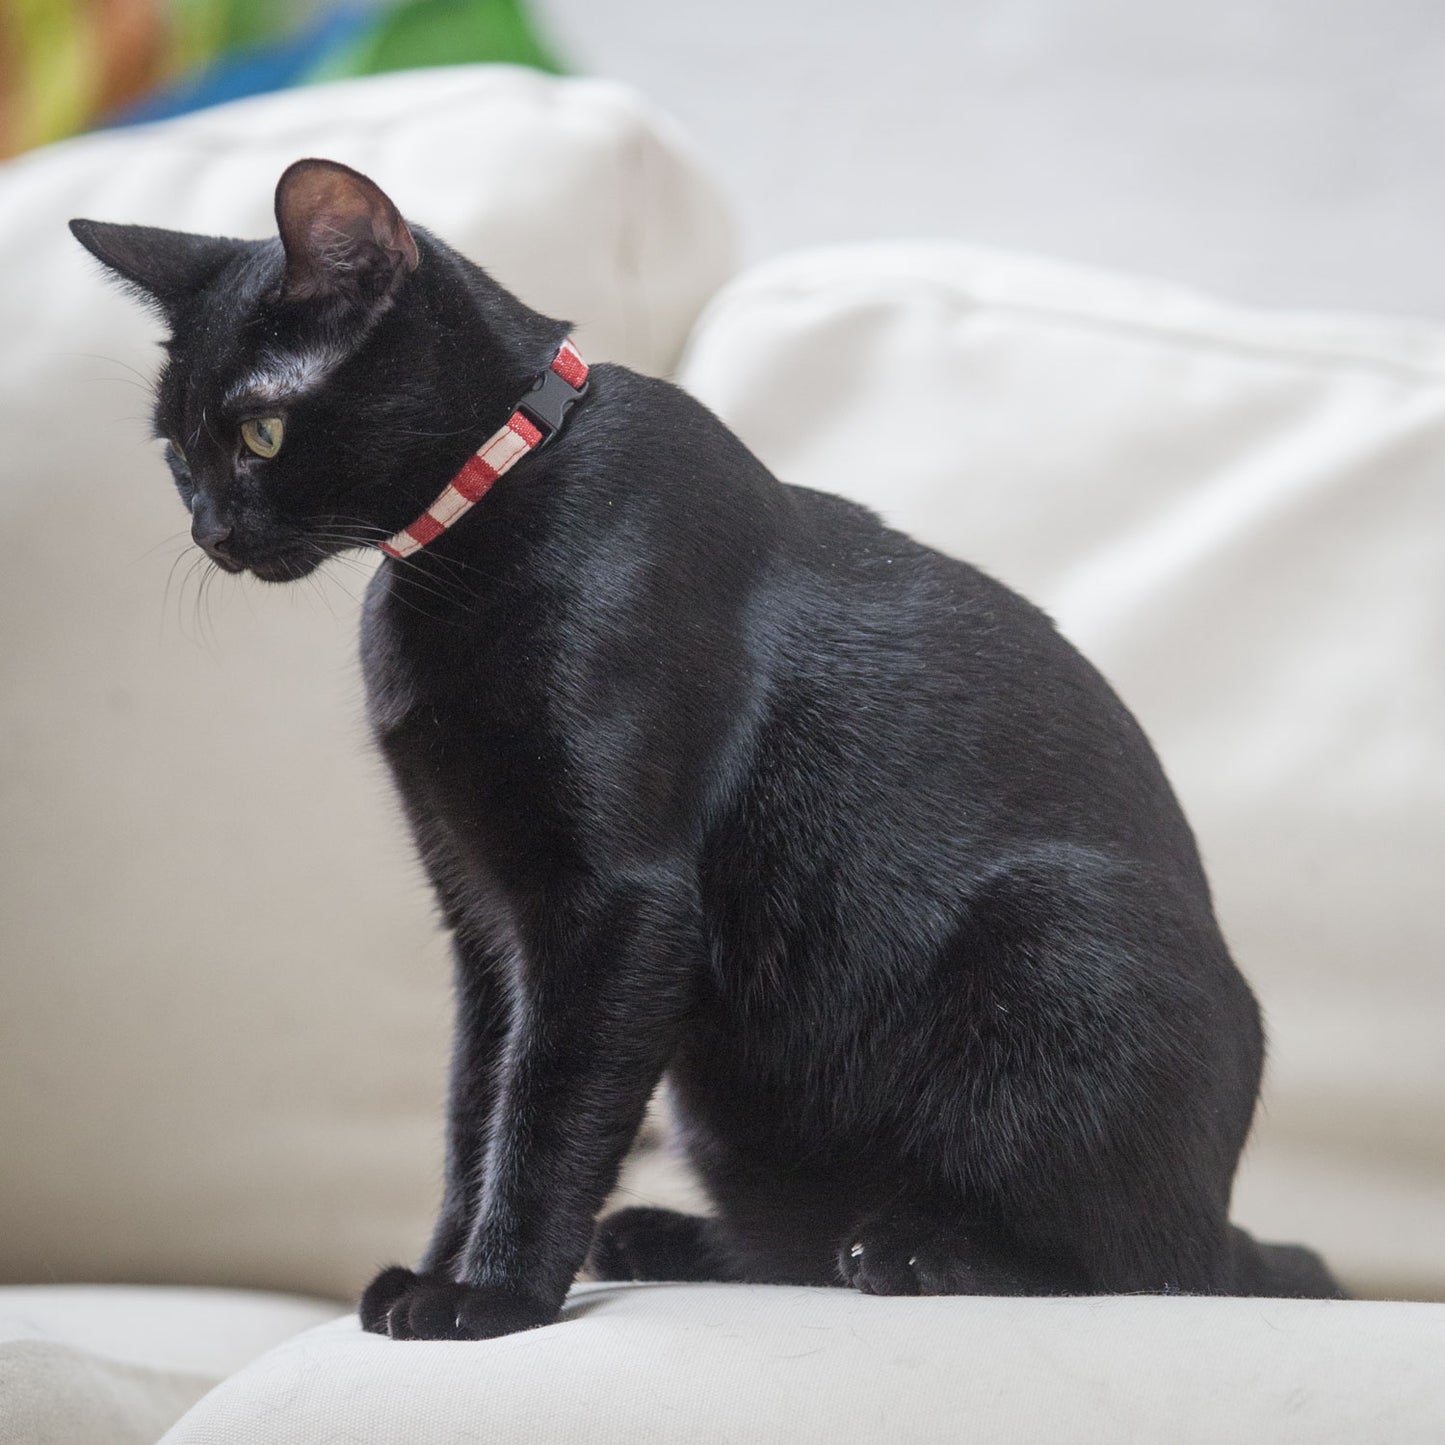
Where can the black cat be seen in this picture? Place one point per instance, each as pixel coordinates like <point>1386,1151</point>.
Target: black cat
<point>722,780</point>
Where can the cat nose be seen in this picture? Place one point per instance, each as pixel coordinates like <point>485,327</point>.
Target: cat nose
<point>210,530</point>
<point>215,539</point>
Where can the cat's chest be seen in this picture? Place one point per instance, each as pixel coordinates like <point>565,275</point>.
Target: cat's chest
<point>395,686</point>
<point>415,679</point>
<point>455,711</point>
<point>418,667</point>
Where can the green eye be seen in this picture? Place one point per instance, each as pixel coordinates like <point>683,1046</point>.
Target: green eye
<point>263,435</point>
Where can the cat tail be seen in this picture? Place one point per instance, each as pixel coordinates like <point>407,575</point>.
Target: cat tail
<point>1281,1271</point>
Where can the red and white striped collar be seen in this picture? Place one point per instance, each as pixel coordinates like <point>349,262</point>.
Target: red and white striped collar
<point>536,420</point>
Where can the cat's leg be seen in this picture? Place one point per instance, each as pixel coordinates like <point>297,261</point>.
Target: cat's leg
<point>1077,1102</point>
<point>482,1019</point>
<point>483,1015</point>
<point>1069,1228</point>
<point>606,977</point>
<point>1115,1062</point>
<point>1079,1218</point>
<point>659,1244</point>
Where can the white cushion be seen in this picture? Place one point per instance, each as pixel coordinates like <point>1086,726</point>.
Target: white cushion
<point>1240,517</point>
<point>225,996</point>
<point>574,193</point>
<point>107,1366</point>
<point>719,1364</point>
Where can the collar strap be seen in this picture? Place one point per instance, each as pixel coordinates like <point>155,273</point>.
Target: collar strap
<point>537,418</point>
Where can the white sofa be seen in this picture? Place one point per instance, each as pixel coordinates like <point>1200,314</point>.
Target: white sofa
<point>224,1010</point>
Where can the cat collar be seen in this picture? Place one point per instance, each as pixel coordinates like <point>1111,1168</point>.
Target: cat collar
<point>535,420</point>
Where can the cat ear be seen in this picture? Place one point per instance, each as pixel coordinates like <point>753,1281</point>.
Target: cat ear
<point>161,266</point>
<point>343,236</point>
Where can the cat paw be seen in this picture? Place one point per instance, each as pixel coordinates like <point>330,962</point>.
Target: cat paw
<point>410,1306</point>
<point>379,1296</point>
<point>653,1244</point>
<point>911,1257</point>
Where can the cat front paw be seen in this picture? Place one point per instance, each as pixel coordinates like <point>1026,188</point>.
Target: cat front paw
<point>408,1306</point>
<point>383,1292</point>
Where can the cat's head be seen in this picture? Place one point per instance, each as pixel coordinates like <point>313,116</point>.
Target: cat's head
<point>322,386</point>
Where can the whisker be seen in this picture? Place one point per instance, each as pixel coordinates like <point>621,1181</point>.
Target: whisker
<point>345,590</point>
<point>210,431</point>
<point>196,559</point>
<point>128,381</point>
<point>204,623</point>
<point>317,590</point>
<point>349,539</point>
<point>418,580</point>
<point>114,361</point>
<point>164,542</point>
<point>140,380</point>
<point>246,588</point>
<point>166,595</point>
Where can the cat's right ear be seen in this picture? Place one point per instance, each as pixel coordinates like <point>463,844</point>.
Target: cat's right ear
<point>162,267</point>
<point>345,241</point>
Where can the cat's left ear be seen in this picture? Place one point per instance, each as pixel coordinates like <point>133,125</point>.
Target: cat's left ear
<point>344,238</point>
<point>162,267</point>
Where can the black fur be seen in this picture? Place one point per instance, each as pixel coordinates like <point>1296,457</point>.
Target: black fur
<point>722,780</point>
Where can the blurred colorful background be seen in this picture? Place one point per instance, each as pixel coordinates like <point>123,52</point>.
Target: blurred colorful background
<point>1284,152</point>
<point>72,65</point>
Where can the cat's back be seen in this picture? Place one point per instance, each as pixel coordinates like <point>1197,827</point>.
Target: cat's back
<point>896,684</point>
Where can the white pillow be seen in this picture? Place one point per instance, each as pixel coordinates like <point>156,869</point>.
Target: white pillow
<point>110,1365</point>
<point>224,1006</point>
<point>576,194</point>
<point>1240,517</point>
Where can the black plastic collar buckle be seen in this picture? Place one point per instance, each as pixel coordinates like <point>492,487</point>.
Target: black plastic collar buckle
<point>547,404</point>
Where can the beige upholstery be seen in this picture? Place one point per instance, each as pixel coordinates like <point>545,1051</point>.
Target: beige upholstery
<point>719,1364</point>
